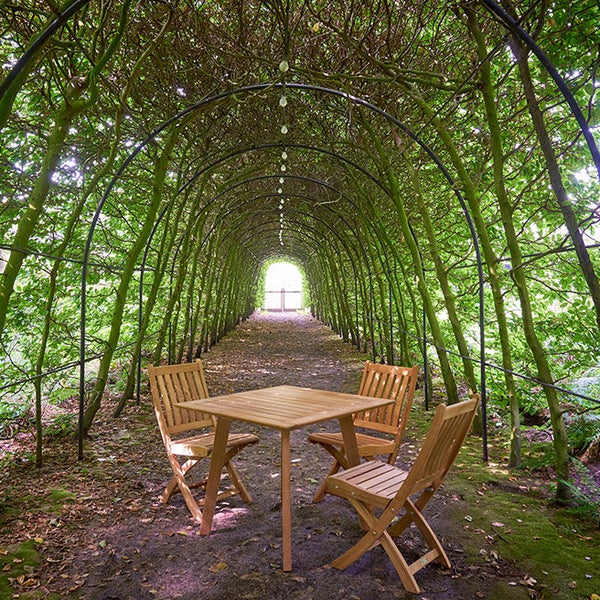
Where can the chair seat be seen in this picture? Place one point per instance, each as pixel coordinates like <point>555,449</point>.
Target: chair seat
<point>368,445</point>
<point>373,482</point>
<point>389,500</point>
<point>385,425</point>
<point>201,445</point>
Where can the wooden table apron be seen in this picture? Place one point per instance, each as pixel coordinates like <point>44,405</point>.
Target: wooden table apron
<point>284,408</point>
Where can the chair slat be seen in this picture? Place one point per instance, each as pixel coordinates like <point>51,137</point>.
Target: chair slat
<point>376,484</point>
<point>174,384</point>
<point>382,381</point>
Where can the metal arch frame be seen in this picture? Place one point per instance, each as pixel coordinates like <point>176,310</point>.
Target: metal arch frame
<point>304,226</point>
<point>304,87</point>
<point>299,86</point>
<point>281,144</point>
<point>512,25</point>
<point>234,186</point>
<point>226,213</point>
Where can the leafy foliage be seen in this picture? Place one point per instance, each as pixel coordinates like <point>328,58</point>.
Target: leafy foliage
<point>185,148</point>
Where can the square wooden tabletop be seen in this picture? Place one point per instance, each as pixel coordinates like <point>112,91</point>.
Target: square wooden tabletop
<point>285,407</point>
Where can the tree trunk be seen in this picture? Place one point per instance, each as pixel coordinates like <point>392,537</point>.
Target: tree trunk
<point>556,181</point>
<point>160,172</point>
<point>436,332</point>
<point>35,204</point>
<point>509,230</point>
<point>443,279</point>
<point>490,257</point>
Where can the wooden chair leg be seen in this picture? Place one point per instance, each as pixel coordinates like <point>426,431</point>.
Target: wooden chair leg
<point>402,567</point>
<point>335,467</point>
<point>355,552</point>
<point>432,540</point>
<point>179,483</point>
<point>239,487</point>
<point>365,543</point>
<point>238,484</point>
<point>369,541</point>
<point>411,509</point>
<point>339,461</point>
<point>179,476</point>
<point>173,484</point>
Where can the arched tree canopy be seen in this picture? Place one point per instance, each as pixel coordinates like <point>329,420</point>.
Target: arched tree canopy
<point>430,166</point>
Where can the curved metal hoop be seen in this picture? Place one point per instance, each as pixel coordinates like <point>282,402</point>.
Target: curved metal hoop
<point>515,28</point>
<point>248,89</point>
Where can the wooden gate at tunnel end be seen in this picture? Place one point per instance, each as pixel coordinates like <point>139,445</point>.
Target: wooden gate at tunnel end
<point>283,300</point>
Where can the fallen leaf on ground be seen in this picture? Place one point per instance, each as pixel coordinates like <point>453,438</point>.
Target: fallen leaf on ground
<point>220,566</point>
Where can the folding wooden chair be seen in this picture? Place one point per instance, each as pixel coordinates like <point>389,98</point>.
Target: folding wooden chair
<point>172,384</point>
<point>375,487</point>
<point>382,381</point>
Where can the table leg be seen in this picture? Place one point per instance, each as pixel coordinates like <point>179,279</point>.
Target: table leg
<point>349,436</point>
<point>217,462</point>
<point>286,500</point>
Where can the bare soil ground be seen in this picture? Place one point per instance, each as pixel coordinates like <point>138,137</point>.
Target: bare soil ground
<point>100,533</point>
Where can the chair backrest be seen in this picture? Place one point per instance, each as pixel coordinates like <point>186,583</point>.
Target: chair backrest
<point>392,382</point>
<point>446,435</point>
<point>172,384</point>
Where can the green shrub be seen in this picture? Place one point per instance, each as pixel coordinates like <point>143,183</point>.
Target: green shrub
<point>583,433</point>
<point>12,415</point>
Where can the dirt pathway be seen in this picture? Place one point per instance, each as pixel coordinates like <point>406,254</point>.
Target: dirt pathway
<point>281,348</point>
<point>108,538</point>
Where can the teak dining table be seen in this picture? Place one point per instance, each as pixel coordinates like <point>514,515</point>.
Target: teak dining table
<point>285,408</point>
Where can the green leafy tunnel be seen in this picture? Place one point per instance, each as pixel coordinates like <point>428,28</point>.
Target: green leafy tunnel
<point>429,166</point>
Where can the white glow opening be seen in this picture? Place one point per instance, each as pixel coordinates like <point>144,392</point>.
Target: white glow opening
<point>283,287</point>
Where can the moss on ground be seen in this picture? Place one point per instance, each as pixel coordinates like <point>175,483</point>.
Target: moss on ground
<point>511,520</point>
<point>17,566</point>
<point>18,562</point>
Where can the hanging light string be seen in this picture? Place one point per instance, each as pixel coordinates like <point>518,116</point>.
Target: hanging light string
<point>284,67</point>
